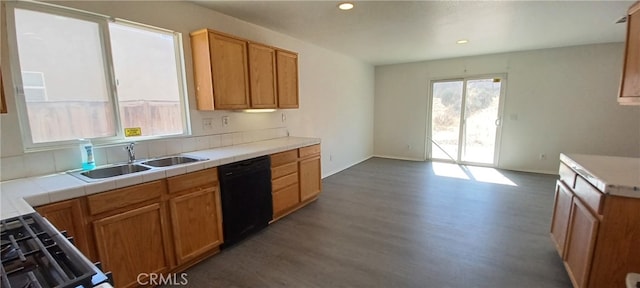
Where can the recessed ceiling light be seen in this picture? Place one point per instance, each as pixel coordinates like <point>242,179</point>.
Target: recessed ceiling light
<point>345,6</point>
<point>462,41</point>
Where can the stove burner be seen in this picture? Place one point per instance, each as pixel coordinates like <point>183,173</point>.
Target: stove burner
<point>34,254</point>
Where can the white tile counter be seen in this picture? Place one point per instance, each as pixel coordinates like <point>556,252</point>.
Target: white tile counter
<point>17,197</point>
<point>612,175</point>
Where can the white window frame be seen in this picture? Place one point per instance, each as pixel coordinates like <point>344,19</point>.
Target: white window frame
<point>103,24</point>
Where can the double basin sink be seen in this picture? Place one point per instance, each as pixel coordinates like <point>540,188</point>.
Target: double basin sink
<point>124,169</point>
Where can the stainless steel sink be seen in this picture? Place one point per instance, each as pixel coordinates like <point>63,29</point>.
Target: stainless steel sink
<point>111,171</point>
<point>100,174</point>
<point>170,161</point>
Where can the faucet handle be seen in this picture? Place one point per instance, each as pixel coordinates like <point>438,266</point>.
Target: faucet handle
<point>131,151</point>
<point>130,146</point>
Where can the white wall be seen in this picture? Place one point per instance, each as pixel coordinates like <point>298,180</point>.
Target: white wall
<point>557,100</point>
<point>336,91</point>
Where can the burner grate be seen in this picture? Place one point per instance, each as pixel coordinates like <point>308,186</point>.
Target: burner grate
<point>35,254</point>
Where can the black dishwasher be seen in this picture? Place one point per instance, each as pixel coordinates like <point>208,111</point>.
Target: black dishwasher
<point>245,192</point>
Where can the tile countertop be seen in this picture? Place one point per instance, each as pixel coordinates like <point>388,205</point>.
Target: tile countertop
<point>612,175</point>
<point>17,197</point>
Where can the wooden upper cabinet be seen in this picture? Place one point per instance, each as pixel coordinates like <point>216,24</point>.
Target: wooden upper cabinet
<point>3,103</point>
<point>262,76</point>
<point>287,67</point>
<point>630,85</point>
<point>232,73</point>
<point>220,71</point>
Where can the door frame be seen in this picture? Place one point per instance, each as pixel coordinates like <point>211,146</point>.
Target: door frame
<point>498,140</point>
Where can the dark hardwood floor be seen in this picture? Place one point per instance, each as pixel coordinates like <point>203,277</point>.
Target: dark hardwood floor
<point>391,223</point>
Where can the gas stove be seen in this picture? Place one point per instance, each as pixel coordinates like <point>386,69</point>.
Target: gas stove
<point>35,254</point>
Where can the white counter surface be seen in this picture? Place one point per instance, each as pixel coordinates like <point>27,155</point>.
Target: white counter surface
<point>17,197</point>
<point>632,279</point>
<point>612,175</point>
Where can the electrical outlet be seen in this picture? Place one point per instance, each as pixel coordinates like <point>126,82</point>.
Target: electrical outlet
<point>284,117</point>
<point>330,157</point>
<point>207,124</point>
<point>225,120</point>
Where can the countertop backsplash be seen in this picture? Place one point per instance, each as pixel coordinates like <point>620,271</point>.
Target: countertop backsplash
<point>48,162</point>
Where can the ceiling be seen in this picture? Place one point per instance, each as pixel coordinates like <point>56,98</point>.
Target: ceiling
<point>386,32</point>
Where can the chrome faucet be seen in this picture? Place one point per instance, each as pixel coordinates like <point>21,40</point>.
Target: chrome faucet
<point>132,153</point>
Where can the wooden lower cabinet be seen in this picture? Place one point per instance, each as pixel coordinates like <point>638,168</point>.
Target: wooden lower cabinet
<point>597,234</point>
<point>285,199</point>
<point>69,216</point>
<point>196,213</point>
<point>295,179</point>
<point>195,218</point>
<point>167,225</point>
<point>284,182</point>
<point>561,213</point>
<point>310,175</point>
<point>583,229</point>
<point>133,242</point>
<point>310,171</point>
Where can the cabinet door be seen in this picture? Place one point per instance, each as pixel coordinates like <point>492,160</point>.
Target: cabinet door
<point>310,174</point>
<point>583,229</point>
<point>3,103</point>
<point>285,199</point>
<point>68,216</point>
<point>262,76</point>
<point>229,69</point>
<point>197,223</point>
<point>287,70</point>
<point>560,219</point>
<point>133,242</point>
<point>202,75</point>
<point>630,86</point>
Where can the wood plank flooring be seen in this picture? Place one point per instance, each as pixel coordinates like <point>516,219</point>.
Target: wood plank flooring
<point>392,223</point>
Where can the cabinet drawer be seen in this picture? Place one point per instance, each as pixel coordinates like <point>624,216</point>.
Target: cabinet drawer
<point>124,197</point>
<point>192,180</point>
<point>283,170</point>
<point>567,175</point>
<point>284,181</point>
<point>591,196</point>
<point>284,158</point>
<point>309,150</point>
<point>285,199</point>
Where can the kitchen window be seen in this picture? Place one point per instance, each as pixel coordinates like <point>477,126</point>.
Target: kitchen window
<point>102,76</point>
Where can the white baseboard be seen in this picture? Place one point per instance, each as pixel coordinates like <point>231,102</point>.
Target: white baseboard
<point>347,167</point>
<point>398,158</point>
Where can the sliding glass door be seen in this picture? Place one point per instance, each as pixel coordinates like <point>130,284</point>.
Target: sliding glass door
<point>465,120</point>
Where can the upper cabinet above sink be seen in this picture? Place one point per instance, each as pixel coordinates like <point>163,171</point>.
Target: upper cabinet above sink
<point>630,84</point>
<point>233,74</point>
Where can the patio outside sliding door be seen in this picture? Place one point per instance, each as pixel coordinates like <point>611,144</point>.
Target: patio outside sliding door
<point>466,120</point>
